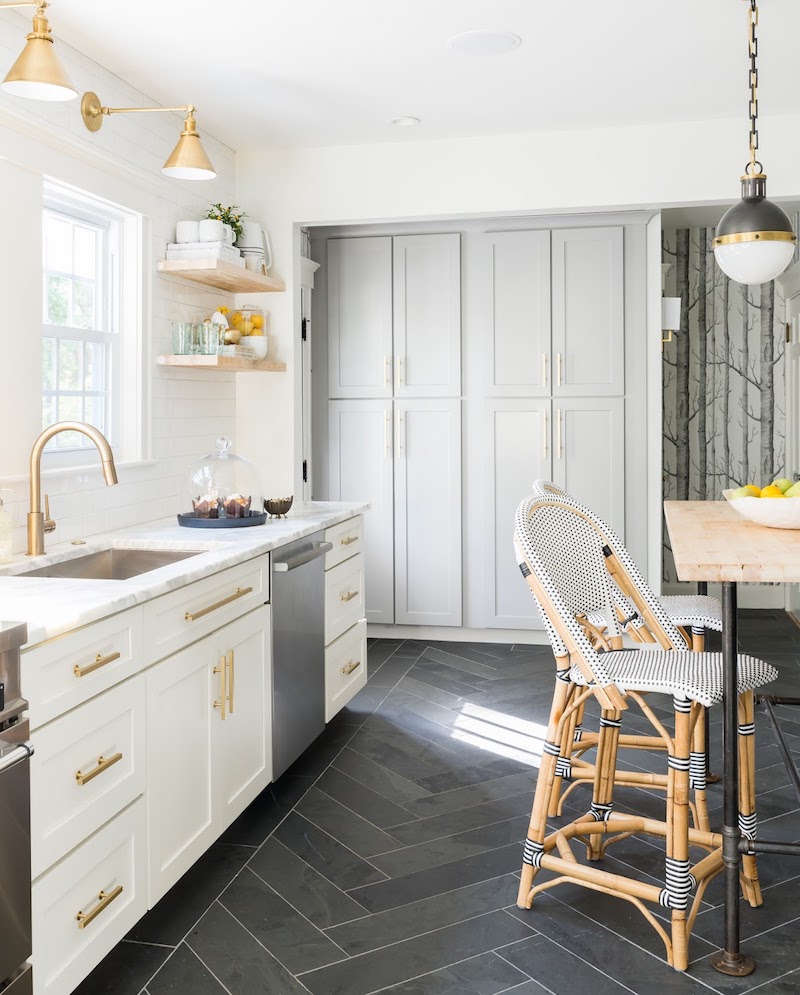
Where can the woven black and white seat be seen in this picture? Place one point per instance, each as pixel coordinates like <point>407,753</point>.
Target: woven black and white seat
<point>568,561</point>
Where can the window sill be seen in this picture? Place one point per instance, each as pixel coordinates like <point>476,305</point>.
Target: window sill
<point>93,464</point>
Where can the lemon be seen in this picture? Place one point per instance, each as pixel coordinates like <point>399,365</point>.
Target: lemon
<point>246,326</point>
<point>771,491</point>
<point>257,320</point>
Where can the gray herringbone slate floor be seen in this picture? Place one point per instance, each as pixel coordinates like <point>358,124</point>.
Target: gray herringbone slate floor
<point>386,859</point>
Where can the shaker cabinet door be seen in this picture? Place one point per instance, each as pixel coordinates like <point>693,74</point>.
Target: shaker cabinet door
<point>427,315</point>
<point>517,450</point>
<point>361,468</point>
<point>360,317</point>
<point>588,312</point>
<point>512,302</point>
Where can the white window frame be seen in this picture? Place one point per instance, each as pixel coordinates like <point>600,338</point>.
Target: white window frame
<point>121,317</point>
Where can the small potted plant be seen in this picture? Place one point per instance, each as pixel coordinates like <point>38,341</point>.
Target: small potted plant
<point>230,216</point>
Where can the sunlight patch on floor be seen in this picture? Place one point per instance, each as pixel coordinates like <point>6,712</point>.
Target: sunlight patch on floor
<point>499,733</point>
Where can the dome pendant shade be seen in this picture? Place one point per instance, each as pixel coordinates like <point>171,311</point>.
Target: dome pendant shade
<point>754,241</point>
<point>188,160</point>
<point>38,73</point>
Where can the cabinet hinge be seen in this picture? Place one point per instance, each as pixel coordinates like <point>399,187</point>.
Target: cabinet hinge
<point>304,329</point>
<point>305,471</point>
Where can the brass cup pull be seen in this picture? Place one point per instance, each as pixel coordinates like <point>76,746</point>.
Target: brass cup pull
<point>103,763</point>
<point>239,593</point>
<point>348,540</point>
<point>349,596</point>
<point>105,898</point>
<point>99,661</point>
<point>222,670</point>
<point>353,665</point>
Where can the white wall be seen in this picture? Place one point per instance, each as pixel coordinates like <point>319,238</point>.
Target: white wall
<point>651,166</point>
<point>121,163</point>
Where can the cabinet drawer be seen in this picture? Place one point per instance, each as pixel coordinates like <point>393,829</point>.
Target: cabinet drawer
<point>102,741</point>
<point>344,596</point>
<point>345,668</point>
<point>347,538</point>
<point>66,671</point>
<point>104,880</point>
<point>177,619</point>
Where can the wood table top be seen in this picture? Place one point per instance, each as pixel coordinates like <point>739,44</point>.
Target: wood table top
<point>712,542</point>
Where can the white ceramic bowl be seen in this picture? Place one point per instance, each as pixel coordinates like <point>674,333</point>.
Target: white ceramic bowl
<point>775,513</point>
<point>253,347</point>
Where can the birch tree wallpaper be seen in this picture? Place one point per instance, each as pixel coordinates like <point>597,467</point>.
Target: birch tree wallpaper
<point>723,372</point>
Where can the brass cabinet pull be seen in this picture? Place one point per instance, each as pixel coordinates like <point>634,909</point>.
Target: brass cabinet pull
<point>353,665</point>
<point>349,596</point>
<point>105,898</point>
<point>240,593</point>
<point>348,540</point>
<point>559,446</point>
<point>544,369</point>
<point>222,670</point>
<point>103,763</point>
<point>231,665</point>
<point>558,369</point>
<point>99,661</point>
<point>544,434</point>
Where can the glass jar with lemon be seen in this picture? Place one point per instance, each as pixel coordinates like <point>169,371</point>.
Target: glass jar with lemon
<point>251,323</point>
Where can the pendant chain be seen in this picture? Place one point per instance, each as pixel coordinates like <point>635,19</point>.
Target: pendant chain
<point>752,46</point>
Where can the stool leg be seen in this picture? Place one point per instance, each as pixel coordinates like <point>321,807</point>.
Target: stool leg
<point>747,794</point>
<point>605,771</point>
<point>567,739</point>
<point>678,881</point>
<point>698,769</point>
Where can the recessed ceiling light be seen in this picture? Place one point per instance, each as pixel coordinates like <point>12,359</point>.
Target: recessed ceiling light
<point>484,42</point>
<point>406,122</point>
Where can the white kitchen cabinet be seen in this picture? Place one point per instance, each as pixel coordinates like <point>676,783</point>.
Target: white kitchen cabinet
<point>517,448</point>
<point>588,312</point>
<point>589,454</point>
<point>513,312</point>
<point>427,522</point>
<point>360,354</point>
<point>206,762</point>
<point>361,468</point>
<point>427,315</point>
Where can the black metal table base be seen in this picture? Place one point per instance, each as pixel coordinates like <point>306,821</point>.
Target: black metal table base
<point>769,701</point>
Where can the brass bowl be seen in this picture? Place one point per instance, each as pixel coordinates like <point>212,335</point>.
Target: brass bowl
<point>277,507</point>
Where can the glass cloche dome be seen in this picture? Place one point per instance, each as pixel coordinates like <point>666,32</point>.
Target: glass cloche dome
<point>224,485</point>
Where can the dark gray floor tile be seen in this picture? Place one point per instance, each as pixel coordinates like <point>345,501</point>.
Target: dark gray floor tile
<point>405,728</point>
<point>303,887</point>
<point>431,693</point>
<point>775,953</point>
<point>475,794</point>
<point>332,859</point>
<point>789,984</point>
<point>438,880</point>
<point>345,826</point>
<point>464,819</point>
<point>447,677</point>
<point>486,974</point>
<point>558,970</point>
<point>449,848</point>
<point>410,958</point>
<point>397,666</point>
<point>480,666</point>
<point>380,779</point>
<point>395,758</point>
<point>240,962</point>
<point>273,804</point>
<point>124,971</point>
<point>362,800</point>
<point>323,750</point>
<point>475,774</point>
<point>528,988</point>
<point>780,906</point>
<point>288,936</point>
<point>431,913</point>
<point>172,918</point>
<point>184,974</point>
<point>363,704</point>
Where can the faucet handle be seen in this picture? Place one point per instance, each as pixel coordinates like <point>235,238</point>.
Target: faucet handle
<point>49,524</point>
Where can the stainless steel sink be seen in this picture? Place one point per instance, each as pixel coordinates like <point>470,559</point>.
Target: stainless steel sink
<point>111,564</point>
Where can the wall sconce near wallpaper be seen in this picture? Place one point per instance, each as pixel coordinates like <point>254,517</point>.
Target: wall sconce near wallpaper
<point>38,73</point>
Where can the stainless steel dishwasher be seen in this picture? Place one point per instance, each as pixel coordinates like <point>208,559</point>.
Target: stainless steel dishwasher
<point>298,648</point>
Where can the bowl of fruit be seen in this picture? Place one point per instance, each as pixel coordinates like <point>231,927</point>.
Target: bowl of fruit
<point>773,505</point>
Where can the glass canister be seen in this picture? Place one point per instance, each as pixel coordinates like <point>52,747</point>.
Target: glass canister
<point>224,485</point>
<point>249,320</point>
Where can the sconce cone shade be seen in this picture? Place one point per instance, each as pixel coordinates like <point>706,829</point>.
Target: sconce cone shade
<point>754,241</point>
<point>670,314</point>
<point>38,73</point>
<point>188,160</point>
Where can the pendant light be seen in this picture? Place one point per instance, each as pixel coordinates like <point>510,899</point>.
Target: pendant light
<point>754,241</point>
<point>187,161</point>
<point>38,73</point>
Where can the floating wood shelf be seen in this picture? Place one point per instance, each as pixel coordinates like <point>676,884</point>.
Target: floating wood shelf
<point>230,364</point>
<point>222,275</point>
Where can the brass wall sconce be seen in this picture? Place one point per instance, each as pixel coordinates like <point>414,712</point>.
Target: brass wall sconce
<point>38,73</point>
<point>187,161</point>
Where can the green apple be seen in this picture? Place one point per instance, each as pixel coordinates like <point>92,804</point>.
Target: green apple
<point>794,490</point>
<point>741,492</point>
<point>783,483</point>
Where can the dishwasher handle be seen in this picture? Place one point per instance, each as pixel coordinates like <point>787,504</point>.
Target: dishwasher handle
<point>10,759</point>
<point>319,549</point>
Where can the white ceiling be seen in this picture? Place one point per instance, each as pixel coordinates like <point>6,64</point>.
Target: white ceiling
<point>323,72</point>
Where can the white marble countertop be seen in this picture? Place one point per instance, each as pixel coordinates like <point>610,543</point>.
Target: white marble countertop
<point>52,606</point>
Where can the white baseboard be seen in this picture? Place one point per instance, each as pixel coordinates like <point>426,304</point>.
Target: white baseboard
<point>530,637</point>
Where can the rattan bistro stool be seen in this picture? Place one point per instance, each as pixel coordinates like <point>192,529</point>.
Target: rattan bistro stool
<point>559,549</point>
